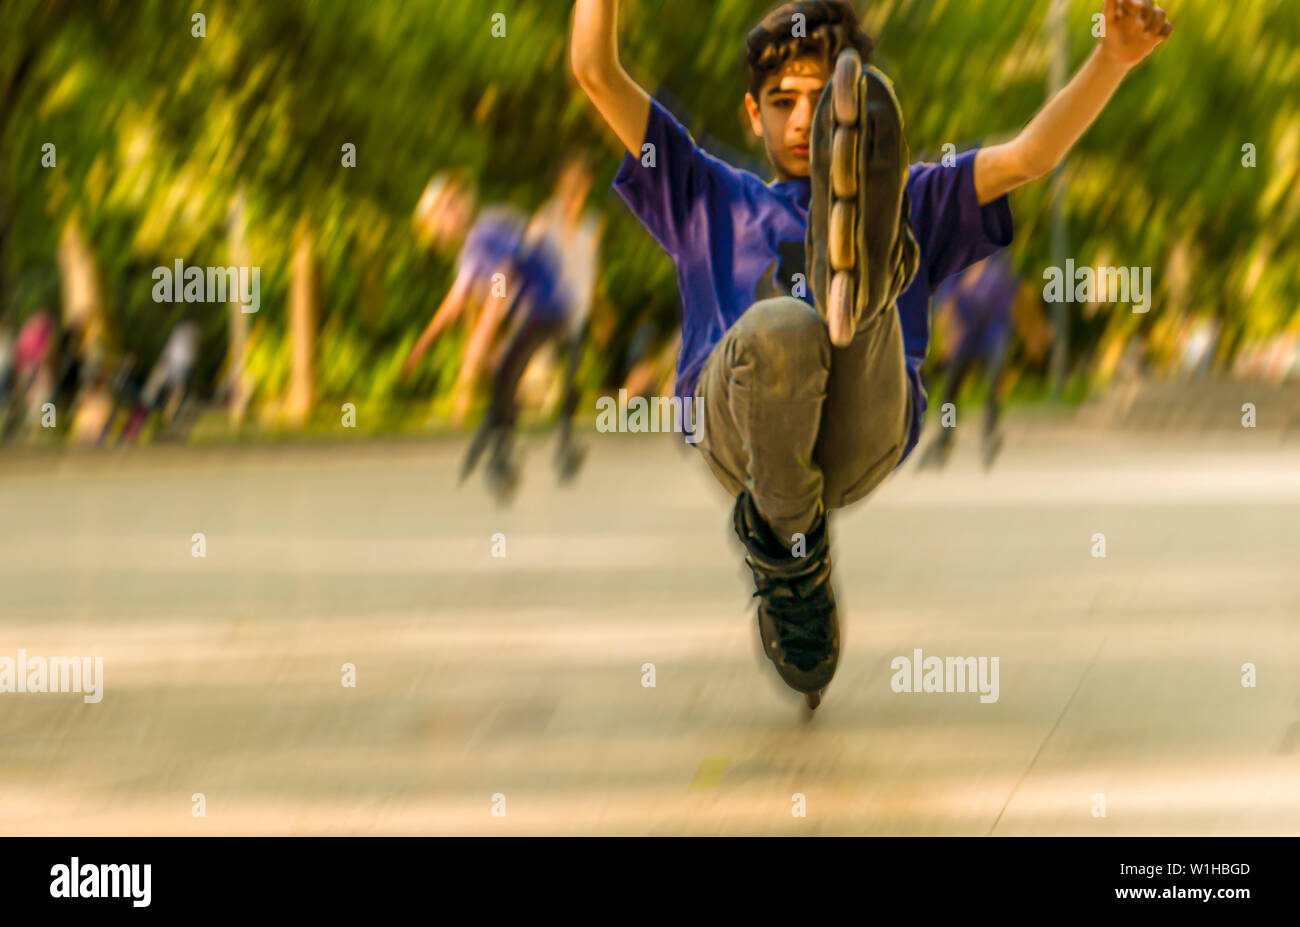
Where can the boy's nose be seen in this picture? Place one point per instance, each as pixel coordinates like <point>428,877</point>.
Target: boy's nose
<point>801,118</point>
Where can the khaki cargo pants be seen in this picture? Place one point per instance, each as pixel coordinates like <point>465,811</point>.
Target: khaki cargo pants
<point>800,423</point>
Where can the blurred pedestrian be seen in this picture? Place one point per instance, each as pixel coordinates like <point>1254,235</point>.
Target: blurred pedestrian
<point>167,388</point>
<point>124,388</point>
<point>6,361</point>
<point>32,376</point>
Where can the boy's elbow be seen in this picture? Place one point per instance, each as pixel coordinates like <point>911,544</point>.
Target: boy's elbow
<point>1020,172</point>
<point>1036,171</point>
<point>592,66</point>
<point>1019,163</point>
<point>586,70</point>
<point>581,59</point>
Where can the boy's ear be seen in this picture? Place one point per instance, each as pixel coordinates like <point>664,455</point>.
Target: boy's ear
<point>755,116</point>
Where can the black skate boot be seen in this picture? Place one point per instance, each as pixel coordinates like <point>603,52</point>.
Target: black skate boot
<point>502,469</point>
<point>990,449</point>
<point>797,620</point>
<point>568,461</point>
<point>486,434</point>
<point>940,449</point>
<point>861,251</point>
<point>992,444</point>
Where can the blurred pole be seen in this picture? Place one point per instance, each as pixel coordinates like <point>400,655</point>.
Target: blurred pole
<point>1059,37</point>
<point>302,324</point>
<point>238,328</point>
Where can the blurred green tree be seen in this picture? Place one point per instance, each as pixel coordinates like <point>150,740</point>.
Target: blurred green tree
<point>158,130</point>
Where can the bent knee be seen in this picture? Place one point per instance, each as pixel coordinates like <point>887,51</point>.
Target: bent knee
<point>783,339</point>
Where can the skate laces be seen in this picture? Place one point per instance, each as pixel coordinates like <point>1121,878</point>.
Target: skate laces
<point>801,610</point>
<point>795,595</point>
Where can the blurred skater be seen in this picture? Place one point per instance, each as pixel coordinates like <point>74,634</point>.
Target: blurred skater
<point>491,246</point>
<point>982,300</point>
<point>557,272</point>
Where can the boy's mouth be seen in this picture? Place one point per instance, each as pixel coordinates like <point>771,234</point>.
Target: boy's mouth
<point>800,151</point>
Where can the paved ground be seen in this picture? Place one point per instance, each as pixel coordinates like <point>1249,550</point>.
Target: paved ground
<point>522,676</point>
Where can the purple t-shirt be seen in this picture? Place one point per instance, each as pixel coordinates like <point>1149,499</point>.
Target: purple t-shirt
<point>497,243</point>
<point>737,240</point>
<point>495,239</point>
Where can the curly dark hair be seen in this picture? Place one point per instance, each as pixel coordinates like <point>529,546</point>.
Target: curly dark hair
<point>827,28</point>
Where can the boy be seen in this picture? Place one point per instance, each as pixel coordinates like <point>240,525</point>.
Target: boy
<point>809,407</point>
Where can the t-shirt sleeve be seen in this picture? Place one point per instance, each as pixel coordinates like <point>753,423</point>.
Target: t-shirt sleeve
<point>951,227</point>
<point>669,181</point>
<point>493,240</point>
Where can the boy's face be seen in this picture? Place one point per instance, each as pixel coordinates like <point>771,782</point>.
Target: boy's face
<point>782,116</point>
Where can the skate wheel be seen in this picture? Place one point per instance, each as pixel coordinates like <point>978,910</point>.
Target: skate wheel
<point>840,311</point>
<point>844,163</point>
<point>845,89</point>
<point>813,699</point>
<point>842,251</point>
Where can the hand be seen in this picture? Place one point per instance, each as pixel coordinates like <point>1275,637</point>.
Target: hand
<point>1133,30</point>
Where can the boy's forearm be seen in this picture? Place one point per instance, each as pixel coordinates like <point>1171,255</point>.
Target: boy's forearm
<point>1061,123</point>
<point>593,54</point>
<point>1132,30</point>
<point>594,48</point>
<point>1050,135</point>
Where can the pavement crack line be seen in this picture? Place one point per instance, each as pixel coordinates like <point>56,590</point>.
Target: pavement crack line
<point>1065,708</point>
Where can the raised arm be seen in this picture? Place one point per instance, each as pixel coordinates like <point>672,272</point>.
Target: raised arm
<point>1133,30</point>
<point>593,53</point>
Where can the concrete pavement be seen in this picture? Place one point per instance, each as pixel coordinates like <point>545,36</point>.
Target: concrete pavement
<point>522,676</point>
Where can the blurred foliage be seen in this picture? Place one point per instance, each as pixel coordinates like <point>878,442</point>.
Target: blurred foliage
<point>155,130</point>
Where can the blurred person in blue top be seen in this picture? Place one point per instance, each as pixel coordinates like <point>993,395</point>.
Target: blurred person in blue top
<point>982,299</point>
<point>489,248</point>
<point>555,273</point>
